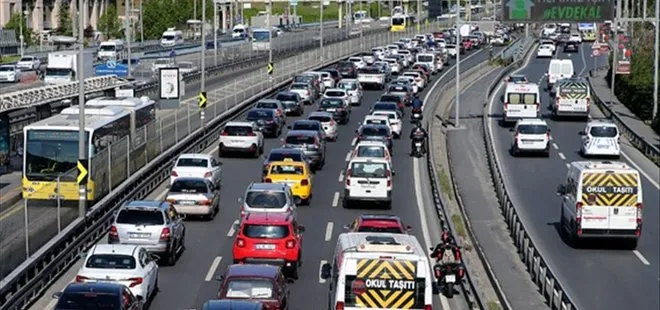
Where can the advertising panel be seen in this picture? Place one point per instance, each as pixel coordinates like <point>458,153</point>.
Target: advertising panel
<point>542,11</point>
<point>624,54</point>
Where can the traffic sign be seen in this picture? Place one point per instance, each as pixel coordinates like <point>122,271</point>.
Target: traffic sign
<point>82,171</point>
<point>271,68</point>
<point>172,54</point>
<point>595,46</point>
<point>595,52</point>
<point>202,100</point>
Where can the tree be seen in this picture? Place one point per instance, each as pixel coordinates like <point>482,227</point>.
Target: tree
<point>64,26</point>
<point>15,23</point>
<point>109,23</point>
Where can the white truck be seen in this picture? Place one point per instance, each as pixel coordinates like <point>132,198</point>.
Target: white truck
<point>62,67</point>
<point>111,50</point>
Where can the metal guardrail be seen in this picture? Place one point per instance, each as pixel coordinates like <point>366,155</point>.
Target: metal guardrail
<point>643,145</point>
<point>549,287</point>
<point>25,283</point>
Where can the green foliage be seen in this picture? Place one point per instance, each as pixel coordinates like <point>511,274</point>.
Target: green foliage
<point>162,14</point>
<point>15,22</point>
<point>64,26</point>
<point>109,23</point>
<point>656,123</point>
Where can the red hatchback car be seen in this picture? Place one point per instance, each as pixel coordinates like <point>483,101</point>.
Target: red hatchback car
<point>270,238</point>
<point>383,223</point>
<point>262,283</point>
<point>467,44</point>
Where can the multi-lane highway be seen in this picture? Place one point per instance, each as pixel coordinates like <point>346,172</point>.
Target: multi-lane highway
<point>602,276</point>
<point>208,244</point>
<point>43,221</point>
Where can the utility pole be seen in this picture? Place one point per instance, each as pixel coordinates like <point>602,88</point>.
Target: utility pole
<point>82,151</point>
<point>458,65</point>
<point>215,31</point>
<point>617,19</point>
<point>141,24</point>
<point>419,15</point>
<point>129,22</point>
<point>202,83</point>
<point>321,29</point>
<point>656,59</point>
<point>194,9</point>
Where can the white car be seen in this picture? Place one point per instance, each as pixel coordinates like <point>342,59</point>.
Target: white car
<point>358,61</point>
<point>372,149</point>
<point>10,73</point>
<point>394,64</point>
<point>549,43</point>
<point>354,90</point>
<point>372,119</point>
<point>28,62</point>
<point>243,137</point>
<point>336,93</point>
<point>197,166</point>
<point>452,50</point>
<point>186,67</point>
<point>531,136</point>
<point>419,80</point>
<point>162,63</point>
<point>194,196</point>
<point>575,37</point>
<point>328,81</point>
<point>408,55</point>
<point>600,138</point>
<point>441,43</point>
<point>497,40</point>
<point>544,51</point>
<point>395,121</point>
<point>329,125</point>
<point>410,80</point>
<point>368,179</point>
<point>379,52</point>
<point>303,90</point>
<point>130,265</point>
<point>549,28</point>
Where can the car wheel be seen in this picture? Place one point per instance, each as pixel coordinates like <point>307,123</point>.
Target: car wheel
<point>171,257</point>
<point>294,272</point>
<point>221,153</point>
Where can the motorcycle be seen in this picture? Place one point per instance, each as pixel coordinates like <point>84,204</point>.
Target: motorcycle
<point>418,151</point>
<point>416,116</point>
<point>447,275</point>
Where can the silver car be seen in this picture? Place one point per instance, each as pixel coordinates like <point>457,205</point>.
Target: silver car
<point>267,197</point>
<point>310,142</point>
<point>195,196</point>
<point>154,225</point>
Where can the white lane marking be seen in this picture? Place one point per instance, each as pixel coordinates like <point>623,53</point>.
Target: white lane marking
<point>648,177</point>
<point>335,200</point>
<point>328,231</point>
<point>51,304</point>
<point>642,258</point>
<point>353,141</point>
<point>561,155</point>
<point>232,229</point>
<point>568,165</point>
<point>584,61</point>
<point>554,145</point>
<point>348,156</point>
<point>323,262</point>
<point>214,267</point>
<point>341,176</point>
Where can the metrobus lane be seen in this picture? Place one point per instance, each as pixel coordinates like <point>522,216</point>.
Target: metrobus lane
<point>601,276</point>
<point>191,282</point>
<point>43,221</point>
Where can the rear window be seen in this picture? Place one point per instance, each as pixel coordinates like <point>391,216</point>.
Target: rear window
<point>88,301</point>
<point>374,131</point>
<point>314,126</point>
<point>347,86</point>
<point>274,156</point>
<point>331,102</point>
<point>425,58</point>
<point>345,65</point>
<point>374,121</point>
<point>140,217</point>
<point>368,170</point>
<point>238,130</point>
<point>287,169</point>
<point>189,186</point>
<point>110,261</point>
<point>369,71</point>
<point>387,230</point>
<point>322,119</point>
<point>249,289</point>
<point>192,162</point>
<point>298,86</point>
<point>300,140</point>
<point>267,105</point>
<point>603,132</point>
<point>371,151</point>
<point>257,115</point>
<point>335,93</point>
<point>283,97</point>
<point>390,98</point>
<point>518,98</point>
<point>532,129</point>
<point>266,231</point>
<point>302,79</point>
<point>385,106</point>
<point>388,115</point>
<point>265,200</point>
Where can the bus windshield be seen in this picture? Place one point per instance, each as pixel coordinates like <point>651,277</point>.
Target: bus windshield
<point>261,36</point>
<point>107,48</point>
<point>51,153</point>
<point>398,21</point>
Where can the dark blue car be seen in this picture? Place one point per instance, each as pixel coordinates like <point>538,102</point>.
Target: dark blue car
<point>92,296</point>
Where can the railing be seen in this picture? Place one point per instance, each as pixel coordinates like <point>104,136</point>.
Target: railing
<point>542,276</point>
<point>35,274</point>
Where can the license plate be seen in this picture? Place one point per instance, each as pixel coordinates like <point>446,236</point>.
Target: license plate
<point>603,146</point>
<point>527,142</point>
<point>139,235</point>
<point>265,247</point>
<point>187,202</point>
<point>331,110</point>
<point>418,144</point>
<point>450,278</point>
<point>236,141</point>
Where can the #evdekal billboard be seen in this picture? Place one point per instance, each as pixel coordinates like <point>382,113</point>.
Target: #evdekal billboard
<point>571,11</point>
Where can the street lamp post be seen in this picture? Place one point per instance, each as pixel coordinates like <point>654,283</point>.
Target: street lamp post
<point>458,65</point>
<point>82,154</point>
<point>129,23</point>
<point>321,29</point>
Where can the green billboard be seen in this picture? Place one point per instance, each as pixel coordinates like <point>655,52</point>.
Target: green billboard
<point>571,11</point>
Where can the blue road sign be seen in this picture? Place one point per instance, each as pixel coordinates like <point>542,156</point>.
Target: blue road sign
<point>112,68</point>
<point>172,54</point>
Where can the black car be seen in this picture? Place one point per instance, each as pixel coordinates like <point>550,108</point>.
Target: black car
<point>334,74</point>
<point>293,104</point>
<point>375,132</point>
<point>266,120</point>
<point>305,124</point>
<point>398,99</point>
<point>347,69</point>
<point>341,112</point>
<point>279,154</point>
<point>571,48</point>
<point>110,296</point>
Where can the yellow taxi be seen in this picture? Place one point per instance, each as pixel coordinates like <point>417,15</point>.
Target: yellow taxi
<point>588,36</point>
<point>295,174</point>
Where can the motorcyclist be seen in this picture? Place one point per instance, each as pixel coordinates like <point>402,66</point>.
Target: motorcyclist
<point>416,135</point>
<point>417,103</point>
<point>447,252</point>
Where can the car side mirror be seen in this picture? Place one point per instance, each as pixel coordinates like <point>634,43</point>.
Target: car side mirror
<point>182,216</point>
<point>561,189</point>
<point>220,278</point>
<point>140,298</point>
<point>288,127</point>
<point>82,255</point>
<point>154,257</point>
<point>325,271</point>
<point>240,199</point>
<point>57,295</point>
<point>512,129</point>
<point>582,133</point>
<point>408,228</point>
<point>301,228</point>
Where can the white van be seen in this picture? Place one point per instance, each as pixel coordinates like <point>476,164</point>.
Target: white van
<point>429,60</point>
<point>240,32</point>
<point>111,50</point>
<point>368,180</point>
<point>601,200</point>
<point>572,98</point>
<point>171,37</point>
<point>365,265</point>
<point>559,69</point>
<point>521,101</point>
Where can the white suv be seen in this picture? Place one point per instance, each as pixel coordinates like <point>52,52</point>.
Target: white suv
<point>243,137</point>
<point>368,179</point>
<point>530,136</point>
<point>600,138</point>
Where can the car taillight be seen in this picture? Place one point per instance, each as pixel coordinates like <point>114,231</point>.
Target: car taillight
<point>172,201</point>
<point>428,307</point>
<point>307,92</point>
<point>348,177</point>
<point>506,106</point>
<point>207,175</point>
<point>639,207</point>
<point>252,134</point>
<point>135,281</point>
<point>578,217</point>
<point>268,180</point>
<point>81,279</point>
<point>243,211</point>
<point>113,232</point>
<point>240,242</point>
<point>204,202</point>
<point>224,133</point>
<point>547,134</point>
<point>538,107</point>
<point>174,174</point>
<point>165,234</point>
<point>290,244</point>
<point>340,305</point>
<point>588,103</point>
<point>304,182</point>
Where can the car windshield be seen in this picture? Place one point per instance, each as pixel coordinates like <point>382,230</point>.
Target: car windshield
<point>390,98</point>
<point>374,131</point>
<point>532,129</point>
<point>368,170</point>
<point>347,86</point>
<point>110,261</point>
<point>320,118</point>
<point>335,93</point>
<point>88,301</point>
<point>330,102</point>
<point>140,217</point>
<point>375,229</point>
<point>277,156</point>
<point>238,130</point>
<point>371,151</point>
<point>265,200</point>
<point>286,97</point>
<point>299,140</point>
<point>6,69</point>
<point>603,132</point>
<point>189,186</point>
<point>192,162</point>
<point>298,86</point>
<point>255,115</point>
<point>267,105</point>
<point>369,71</point>
<point>287,169</point>
<point>385,107</point>
<point>249,289</point>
